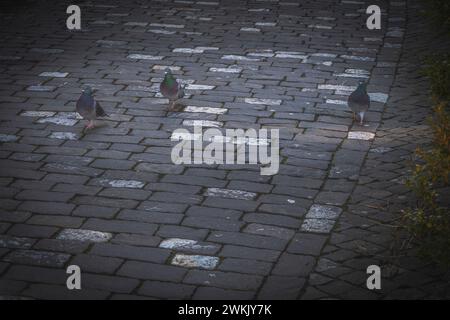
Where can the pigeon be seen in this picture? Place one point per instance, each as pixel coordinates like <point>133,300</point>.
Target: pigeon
<point>88,108</point>
<point>359,101</point>
<point>170,88</point>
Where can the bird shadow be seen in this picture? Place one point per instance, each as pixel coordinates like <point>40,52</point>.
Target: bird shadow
<point>178,107</point>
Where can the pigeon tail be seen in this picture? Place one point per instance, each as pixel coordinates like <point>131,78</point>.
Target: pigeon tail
<point>99,112</point>
<point>361,117</point>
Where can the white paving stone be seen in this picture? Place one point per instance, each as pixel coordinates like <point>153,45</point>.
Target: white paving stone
<point>144,57</point>
<point>290,56</point>
<point>133,184</point>
<point>59,121</point>
<point>265,24</point>
<point>54,74</point>
<point>336,87</point>
<point>354,73</point>
<point>229,193</point>
<point>8,137</point>
<point>261,54</point>
<point>318,211</point>
<point>37,114</point>
<point>271,102</point>
<point>84,235</point>
<point>160,67</point>
<point>136,24</point>
<point>357,58</point>
<point>63,136</point>
<point>251,141</point>
<point>320,26</point>
<point>187,50</point>
<point>317,225</point>
<point>176,136</point>
<point>195,261</point>
<point>184,244</point>
<point>203,123</point>
<point>192,33</point>
<point>237,57</point>
<point>207,48</point>
<point>41,88</point>
<point>249,29</point>
<point>324,55</point>
<point>339,102</point>
<point>226,70</point>
<point>378,97</point>
<point>167,25</point>
<point>205,110</point>
<point>199,87</point>
<point>361,135</point>
<point>159,31</point>
<point>177,243</point>
<point>70,115</point>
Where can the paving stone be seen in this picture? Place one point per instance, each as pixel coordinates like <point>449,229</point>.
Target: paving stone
<point>96,264</point>
<point>188,245</point>
<point>317,225</point>
<point>294,265</point>
<point>34,257</point>
<point>84,235</point>
<point>304,243</point>
<point>120,226</point>
<point>151,271</point>
<point>227,280</point>
<point>195,261</point>
<point>52,292</point>
<point>16,242</point>
<point>247,240</point>
<point>323,212</point>
<point>166,290</point>
<point>281,288</point>
<point>271,231</point>
<point>245,266</point>
<point>66,246</point>
<point>131,252</point>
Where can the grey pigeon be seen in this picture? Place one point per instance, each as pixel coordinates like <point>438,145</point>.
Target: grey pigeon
<point>170,88</point>
<point>359,101</point>
<point>89,108</point>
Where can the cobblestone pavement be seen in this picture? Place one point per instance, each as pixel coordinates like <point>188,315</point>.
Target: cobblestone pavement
<point>112,202</point>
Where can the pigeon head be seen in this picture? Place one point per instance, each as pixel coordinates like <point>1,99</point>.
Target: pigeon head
<point>88,90</point>
<point>362,84</point>
<point>168,77</point>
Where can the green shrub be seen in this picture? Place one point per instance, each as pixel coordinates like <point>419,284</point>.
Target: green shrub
<point>429,221</point>
<point>439,13</point>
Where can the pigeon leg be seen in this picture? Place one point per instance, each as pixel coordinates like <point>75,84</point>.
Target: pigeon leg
<point>90,124</point>
<point>171,105</point>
